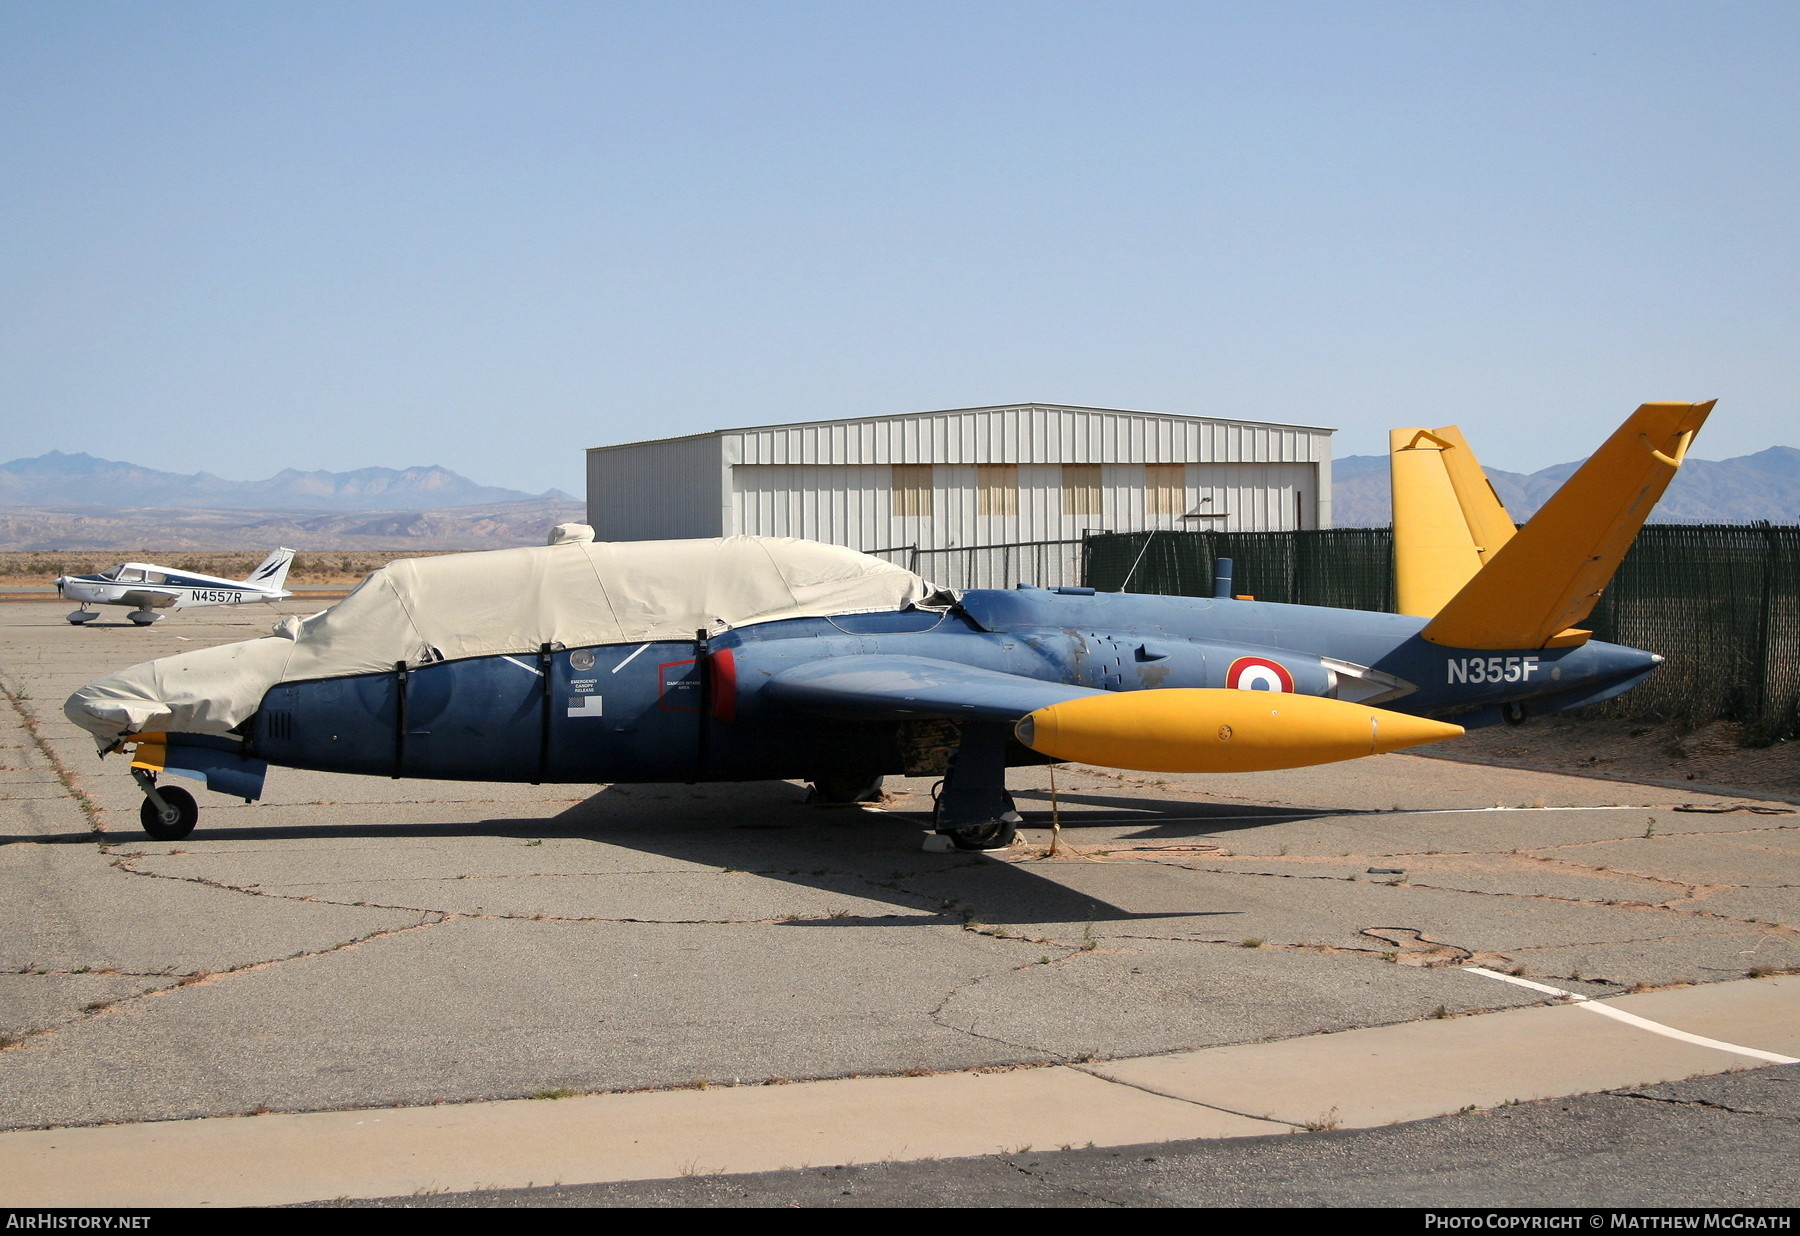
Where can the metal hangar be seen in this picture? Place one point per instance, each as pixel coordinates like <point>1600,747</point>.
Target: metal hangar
<point>965,477</point>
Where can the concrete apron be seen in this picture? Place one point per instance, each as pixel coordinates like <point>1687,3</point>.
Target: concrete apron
<point>1354,1079</point>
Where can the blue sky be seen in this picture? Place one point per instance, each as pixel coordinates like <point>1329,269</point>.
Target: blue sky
<point>241,237</point>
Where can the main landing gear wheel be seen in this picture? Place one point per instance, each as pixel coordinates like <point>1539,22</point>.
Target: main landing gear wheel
<point>994,834</point>
<point>144,617</point>
<point>176,822</point>
<point>990,835</point>
<point>844,790</point>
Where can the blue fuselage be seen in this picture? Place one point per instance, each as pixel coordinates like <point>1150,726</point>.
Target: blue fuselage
<point>683,711</point>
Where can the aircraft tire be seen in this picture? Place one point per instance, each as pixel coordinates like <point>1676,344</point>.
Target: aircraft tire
<point>144,617</point>
<point>846,790</point>
<point>991,835</point>
<point>186,812</point>
<point>82,615</point>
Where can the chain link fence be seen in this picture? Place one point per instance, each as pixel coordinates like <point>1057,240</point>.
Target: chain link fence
<point>1344,568</point>
<point>1721,602</point>
<point>1048,564</point>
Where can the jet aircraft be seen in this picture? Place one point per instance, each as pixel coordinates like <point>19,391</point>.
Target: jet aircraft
<point>151,589</point>
<point>749,658</point>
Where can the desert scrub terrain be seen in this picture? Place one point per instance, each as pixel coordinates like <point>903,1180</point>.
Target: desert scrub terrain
<point>326,566</point>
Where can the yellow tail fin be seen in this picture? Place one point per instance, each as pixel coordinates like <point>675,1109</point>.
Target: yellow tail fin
<point>1448,521</point>
<point>1546,579</point>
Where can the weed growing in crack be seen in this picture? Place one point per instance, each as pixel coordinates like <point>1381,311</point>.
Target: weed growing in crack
<point>1650,828</point>
<point>1250,942</point>
<point>535,841</point>
<point>558,1092</point>
<point>1326,1122</point>
<point>1442,1013</point>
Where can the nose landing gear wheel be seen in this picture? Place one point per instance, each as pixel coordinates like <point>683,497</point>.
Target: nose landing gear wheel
<point>175,823</point>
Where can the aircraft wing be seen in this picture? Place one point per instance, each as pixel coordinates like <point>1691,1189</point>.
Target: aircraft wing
<point>900,687</point>
<point>145,598</point>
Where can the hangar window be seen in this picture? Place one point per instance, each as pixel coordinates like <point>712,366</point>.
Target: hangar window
<point>1081,489</point>
<point>998,489</point>
<point>912,489</point>
<point>1165,489</point>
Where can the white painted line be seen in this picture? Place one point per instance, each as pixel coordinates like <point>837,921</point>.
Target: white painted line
<point>1632,1019</point>
<point>532,669</point>
<point>1644,1023</point>
<point>628,660</point>
<point>1276,817</point>
<point>1516,981</point>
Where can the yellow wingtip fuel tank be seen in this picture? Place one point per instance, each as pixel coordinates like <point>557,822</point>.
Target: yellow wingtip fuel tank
<point>1220,730</point>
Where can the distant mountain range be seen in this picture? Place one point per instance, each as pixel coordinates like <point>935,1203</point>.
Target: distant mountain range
<point>169,530</point>
<point>59,480</point>
<point>1762,486</point>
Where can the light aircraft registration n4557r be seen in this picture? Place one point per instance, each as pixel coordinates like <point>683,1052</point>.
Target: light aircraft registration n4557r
<point>748,659</point>
<point>151,589</point>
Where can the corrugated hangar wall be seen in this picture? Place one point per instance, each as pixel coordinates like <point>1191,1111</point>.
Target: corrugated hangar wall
<point>976,476</point>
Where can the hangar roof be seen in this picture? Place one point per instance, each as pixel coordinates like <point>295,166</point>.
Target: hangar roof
<point>859,421</point>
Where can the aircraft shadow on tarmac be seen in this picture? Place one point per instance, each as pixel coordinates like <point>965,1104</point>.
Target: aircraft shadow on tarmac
<point>762,828</point>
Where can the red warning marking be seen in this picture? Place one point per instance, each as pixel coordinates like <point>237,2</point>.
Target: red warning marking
<point>724,685</point>
<point>687,683</point>
<point>1258,674</point>
<point>678,685</point>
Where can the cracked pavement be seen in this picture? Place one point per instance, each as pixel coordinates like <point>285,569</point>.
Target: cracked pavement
<point>360,942</point>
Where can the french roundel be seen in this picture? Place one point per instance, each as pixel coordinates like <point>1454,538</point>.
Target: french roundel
<point>1258,674</point>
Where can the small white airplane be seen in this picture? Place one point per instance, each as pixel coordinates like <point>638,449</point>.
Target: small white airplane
<point>150,589</point>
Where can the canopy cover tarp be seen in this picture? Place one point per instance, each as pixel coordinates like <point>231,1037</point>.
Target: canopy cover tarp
<point>498,602</point>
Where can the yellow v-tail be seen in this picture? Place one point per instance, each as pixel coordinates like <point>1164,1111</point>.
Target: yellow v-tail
<point>1483,588</point>
<point>1448,521</point>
